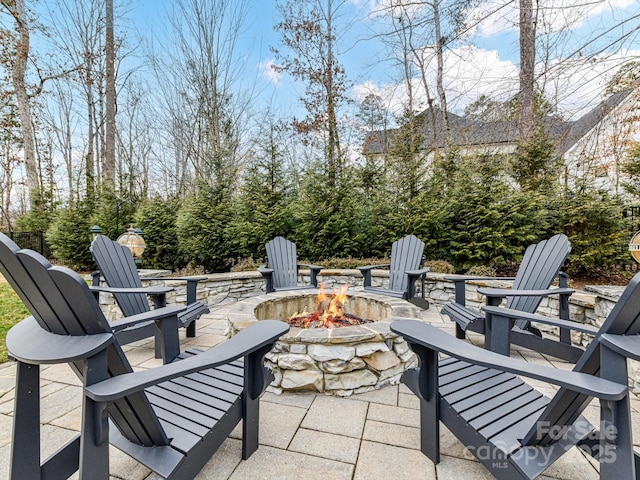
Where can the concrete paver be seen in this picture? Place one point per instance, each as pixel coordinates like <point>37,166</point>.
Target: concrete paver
<point>326,445</point>
<point>335,415</point>
<point>269,463</point>
<point>380,461</point>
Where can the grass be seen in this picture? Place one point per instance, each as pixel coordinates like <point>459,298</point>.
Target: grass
<point>12,310</point>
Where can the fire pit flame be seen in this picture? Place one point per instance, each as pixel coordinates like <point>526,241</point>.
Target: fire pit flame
<point>329,313</point>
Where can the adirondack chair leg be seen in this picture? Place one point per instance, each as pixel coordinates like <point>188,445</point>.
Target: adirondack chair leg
<point>314,277</point>
<point>459,331</point>
<point>427,392</point>
<point>191,329</point>
<point>94,441</point>
<point>168,339</point>
<point>94,444</point>
<point>366,278</point>
<point>268,280</point>
<point>191,298</point>
<point>497,330</point>
<point>616,455</point>
<point>159,301</point>
<point>255,381</point>
<point>25,447</point>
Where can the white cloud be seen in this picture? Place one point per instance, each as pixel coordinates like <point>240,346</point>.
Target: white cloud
<point>499,16</point>
<point>579,85</point>
<point>269,72</point>
<point>469,73</point>
<point>576,86</point>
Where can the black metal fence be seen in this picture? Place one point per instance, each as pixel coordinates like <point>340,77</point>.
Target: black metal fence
<point>633,214</point>
<point>32,240</point>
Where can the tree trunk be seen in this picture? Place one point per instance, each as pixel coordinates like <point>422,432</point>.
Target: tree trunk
<point>440,80</point>
<point>109,158</point>
<point>333,144</point>
<point>527,65</point>
<point>22,100</point>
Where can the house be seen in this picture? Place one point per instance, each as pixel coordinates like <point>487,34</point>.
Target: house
<point>593,147</point>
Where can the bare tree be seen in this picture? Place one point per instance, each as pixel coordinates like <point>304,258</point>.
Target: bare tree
<point>200,74</point>
<point>527,69</point>
<point>21,44</point>
<point>77,34</point>
<point>109,159</point>
<point>309,32</point>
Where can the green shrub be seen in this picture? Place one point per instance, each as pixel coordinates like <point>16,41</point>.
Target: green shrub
<point>202,222</point>
<point>486,220</point>
<point>351,263</point>
<point>157,220</point>
<point>69,236</point>
<point>482,271</point>
<point>245,265</point>
<point>440,266</point>
<point>596,230</point>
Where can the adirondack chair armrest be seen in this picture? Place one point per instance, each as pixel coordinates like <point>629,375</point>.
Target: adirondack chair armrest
<point>155,314</point>
<point>417,273</point>
<point>133,290</point>
<point>247,341</point>
<point>311,267</point>
<point>468,278</point>
<point>533,317</point>
<point>27,342</point>
<point>178,279</point>
<point>366,272</point>
<point>507,292</point>
<point>371,267</point>
<point>460,284</point>
<point>626,345</point>
<point>432,338</point>
<point>192,284</point>
<point>315,270</point>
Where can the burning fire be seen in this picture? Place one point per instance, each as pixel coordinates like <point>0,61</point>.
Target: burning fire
<point>329,312</point>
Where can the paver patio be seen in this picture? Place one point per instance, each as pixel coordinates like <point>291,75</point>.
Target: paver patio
<point>368,436</point>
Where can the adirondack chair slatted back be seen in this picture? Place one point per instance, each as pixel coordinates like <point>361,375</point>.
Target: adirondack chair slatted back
<point>566,406</point>
<point>282,257</point>
<point>406,254</point>
<point>118,268</point>
<point>61,303</point>
<point>540,265</point>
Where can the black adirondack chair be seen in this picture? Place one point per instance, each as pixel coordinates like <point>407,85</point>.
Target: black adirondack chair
<point>282,272</point>
<point>514,430</point>
<point>171,418</point>
<point>540,265</point>
<point>404,270</point>
<point>119,270</point>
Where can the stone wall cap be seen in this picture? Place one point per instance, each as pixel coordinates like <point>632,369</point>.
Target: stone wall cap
<point>609,292</point>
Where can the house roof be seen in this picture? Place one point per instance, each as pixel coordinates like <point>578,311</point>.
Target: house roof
<point>467,132</point>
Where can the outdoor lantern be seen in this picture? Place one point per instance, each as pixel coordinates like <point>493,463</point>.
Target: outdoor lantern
<point>133,241</point>
<point>634,246</point>
<point>95,231</point>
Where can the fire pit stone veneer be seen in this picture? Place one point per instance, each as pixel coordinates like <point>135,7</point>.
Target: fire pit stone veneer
<point>339,361</point>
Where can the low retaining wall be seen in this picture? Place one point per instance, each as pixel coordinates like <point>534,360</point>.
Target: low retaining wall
<point>227,288</point>
<point>591,306</point>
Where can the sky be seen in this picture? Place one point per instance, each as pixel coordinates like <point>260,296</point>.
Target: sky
<point>484,62</point>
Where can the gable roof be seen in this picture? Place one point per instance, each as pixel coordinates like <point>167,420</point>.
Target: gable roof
<point>467,132</point>
<point>587,122</point>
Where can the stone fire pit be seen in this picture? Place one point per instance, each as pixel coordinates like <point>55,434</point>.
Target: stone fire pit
<point>339,361</point>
